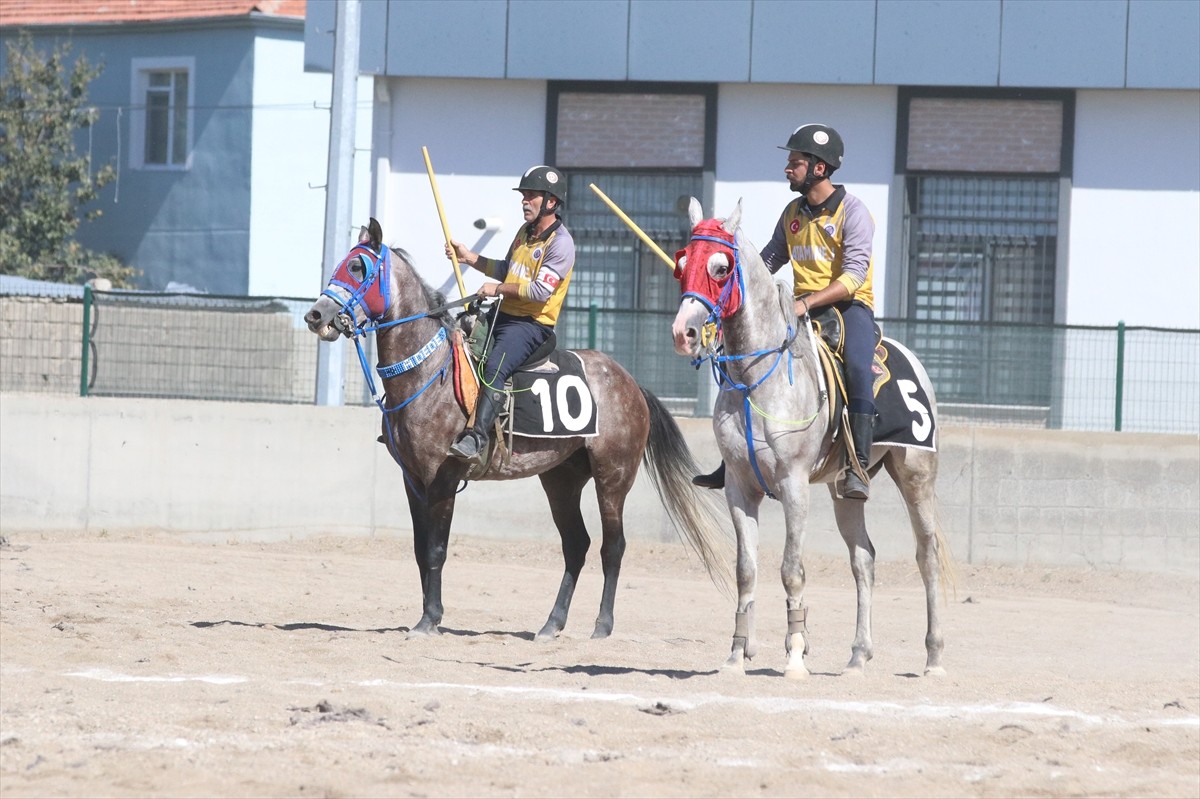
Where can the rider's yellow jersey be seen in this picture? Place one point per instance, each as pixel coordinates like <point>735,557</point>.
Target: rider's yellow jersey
<point>541,267</point>
<point>831,242</point>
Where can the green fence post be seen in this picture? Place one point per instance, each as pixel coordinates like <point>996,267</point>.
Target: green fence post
<point>87,344</point>
<point>593,312</point>
<point>1120,372</point>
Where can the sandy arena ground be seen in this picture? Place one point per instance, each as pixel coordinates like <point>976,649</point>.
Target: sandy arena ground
<point>148,666</point>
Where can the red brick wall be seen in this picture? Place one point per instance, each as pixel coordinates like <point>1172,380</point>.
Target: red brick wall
<point>963,135</point>
<point>630,130</point>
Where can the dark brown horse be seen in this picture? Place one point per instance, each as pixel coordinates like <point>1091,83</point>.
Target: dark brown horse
<point>375,289</point>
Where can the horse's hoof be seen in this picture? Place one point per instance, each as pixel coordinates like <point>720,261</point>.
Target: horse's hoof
<point>424,630</point>
<point>735,665</point>
<point>547,633</point>
<point>935,671</point>
<point>797,673</point>
<point>601,632</point>
<point>854,671</point>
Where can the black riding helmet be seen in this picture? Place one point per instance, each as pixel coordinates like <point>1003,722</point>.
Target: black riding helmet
<point>547,180</point>
<point>819,141</point>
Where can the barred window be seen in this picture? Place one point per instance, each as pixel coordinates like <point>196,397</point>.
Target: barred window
<point>982,182</point>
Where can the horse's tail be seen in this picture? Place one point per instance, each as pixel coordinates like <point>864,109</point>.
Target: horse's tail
<point>695,514</point>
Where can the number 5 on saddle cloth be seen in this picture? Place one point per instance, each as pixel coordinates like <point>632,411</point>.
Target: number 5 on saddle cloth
<point>903,407</point>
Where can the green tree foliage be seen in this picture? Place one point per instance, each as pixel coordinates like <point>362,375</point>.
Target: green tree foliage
<point>44,182</point>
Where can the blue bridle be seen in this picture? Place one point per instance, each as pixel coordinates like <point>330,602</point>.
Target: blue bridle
<point>379,267</point>
<point>716,312</point>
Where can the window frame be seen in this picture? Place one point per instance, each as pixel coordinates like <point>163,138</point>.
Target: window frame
<point>708,90</point>
<point>897,289</point>
<point>141,70</point>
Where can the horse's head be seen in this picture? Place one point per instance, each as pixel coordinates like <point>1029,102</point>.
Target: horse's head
<point>359,291</point>
<point>709,271</point>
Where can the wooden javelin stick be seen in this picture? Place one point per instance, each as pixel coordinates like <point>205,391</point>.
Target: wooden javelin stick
<point>668,260</point>
<point>437,199</point>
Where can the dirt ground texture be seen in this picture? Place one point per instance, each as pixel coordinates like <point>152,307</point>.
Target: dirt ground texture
<point>151,666</point>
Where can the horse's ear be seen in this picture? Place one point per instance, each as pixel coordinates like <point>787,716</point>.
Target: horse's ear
<point>731,222</point>
<point>363,235</point>
<point>695,212</point>
<point>375,231</point>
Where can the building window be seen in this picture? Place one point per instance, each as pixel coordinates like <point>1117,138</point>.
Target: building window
<point>162,118</point>
<point>982,178</point>
<point>648,147</point>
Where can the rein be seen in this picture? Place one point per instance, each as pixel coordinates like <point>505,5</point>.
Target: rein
<point>719,362</point>
<point>377,267</point>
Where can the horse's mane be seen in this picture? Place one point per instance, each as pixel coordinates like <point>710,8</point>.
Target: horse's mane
<point>433,298</point>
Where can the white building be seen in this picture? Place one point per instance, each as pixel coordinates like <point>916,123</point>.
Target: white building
<point>1025,161</point>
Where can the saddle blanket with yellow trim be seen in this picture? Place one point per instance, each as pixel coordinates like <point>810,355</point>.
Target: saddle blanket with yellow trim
<point>902,404</point>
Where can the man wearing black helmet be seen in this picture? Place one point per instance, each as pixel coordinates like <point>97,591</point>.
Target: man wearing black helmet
<point>826,234</point>
<point>533,279</point>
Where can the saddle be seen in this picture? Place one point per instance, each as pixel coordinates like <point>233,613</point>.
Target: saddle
<point>904,412</point>
<point>471,343</point>
<point>830,330</point>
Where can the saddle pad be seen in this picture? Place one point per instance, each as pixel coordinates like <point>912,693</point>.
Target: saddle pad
<point>554,404</point>
<point>901,402</point>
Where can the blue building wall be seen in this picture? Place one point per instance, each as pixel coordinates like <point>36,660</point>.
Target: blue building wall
<point>176,226</point>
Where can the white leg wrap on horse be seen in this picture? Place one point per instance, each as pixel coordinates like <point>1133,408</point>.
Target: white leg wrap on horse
<point>798,623</point>
<point>742,621</point>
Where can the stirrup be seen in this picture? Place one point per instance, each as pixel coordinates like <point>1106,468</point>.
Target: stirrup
<point>854,487</point>
<point>468,447</point>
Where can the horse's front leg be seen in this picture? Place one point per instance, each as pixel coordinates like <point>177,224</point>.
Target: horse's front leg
<point>431,519</point>
<point>851,521</point>
<point>793,492</point>
<point>743,510</point>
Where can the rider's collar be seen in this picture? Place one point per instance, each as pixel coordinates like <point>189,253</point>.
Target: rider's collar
<point>831,204</point>
<point>530,237</point>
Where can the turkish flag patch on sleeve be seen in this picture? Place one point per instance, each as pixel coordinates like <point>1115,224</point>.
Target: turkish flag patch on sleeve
<point>548,277</point>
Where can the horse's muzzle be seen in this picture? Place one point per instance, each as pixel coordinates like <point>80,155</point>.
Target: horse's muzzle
<point>326,322</point>
<point>687,327</point>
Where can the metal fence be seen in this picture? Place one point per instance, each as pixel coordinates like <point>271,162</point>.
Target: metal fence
<point>139,344</point>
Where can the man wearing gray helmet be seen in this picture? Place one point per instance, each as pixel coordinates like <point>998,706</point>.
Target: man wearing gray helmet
<point>533,276</point>
<point>826,234</point>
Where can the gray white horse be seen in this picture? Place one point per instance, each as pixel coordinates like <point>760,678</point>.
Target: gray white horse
<point>775,434</point>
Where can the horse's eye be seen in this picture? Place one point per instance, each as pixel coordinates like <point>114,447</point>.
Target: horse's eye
<point>718,264</point>
<point>358,270</point>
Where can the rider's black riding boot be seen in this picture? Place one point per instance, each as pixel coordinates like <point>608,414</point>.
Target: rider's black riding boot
<point>862,428</point>
<point>714,480</point>
<point>472,444</point>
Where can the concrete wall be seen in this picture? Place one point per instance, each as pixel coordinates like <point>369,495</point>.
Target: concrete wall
<point>244,471</point>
